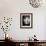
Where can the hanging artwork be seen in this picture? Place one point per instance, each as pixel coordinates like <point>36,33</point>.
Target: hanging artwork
<point>36,3</point>
<point>6,24</point>
<point>26,20</point>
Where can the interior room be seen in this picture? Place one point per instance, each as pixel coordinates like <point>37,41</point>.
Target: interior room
<point>22,23</point>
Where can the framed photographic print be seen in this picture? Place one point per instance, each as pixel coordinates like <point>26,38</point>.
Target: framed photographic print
<point>26,20</point>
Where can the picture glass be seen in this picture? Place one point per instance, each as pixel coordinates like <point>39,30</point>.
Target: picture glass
<point>26,20</point>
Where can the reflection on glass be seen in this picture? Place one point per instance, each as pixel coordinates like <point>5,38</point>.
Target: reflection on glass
<point>26,20</point>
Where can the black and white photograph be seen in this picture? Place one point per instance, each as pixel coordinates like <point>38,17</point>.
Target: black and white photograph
<point>26,20</point>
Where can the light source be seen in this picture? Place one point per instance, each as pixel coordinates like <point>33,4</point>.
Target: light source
<point>36,3</point>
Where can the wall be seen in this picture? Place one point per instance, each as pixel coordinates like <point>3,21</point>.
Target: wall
<point>13,8</point>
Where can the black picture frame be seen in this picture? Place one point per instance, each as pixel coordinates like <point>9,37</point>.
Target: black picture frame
<point>26,20</point>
